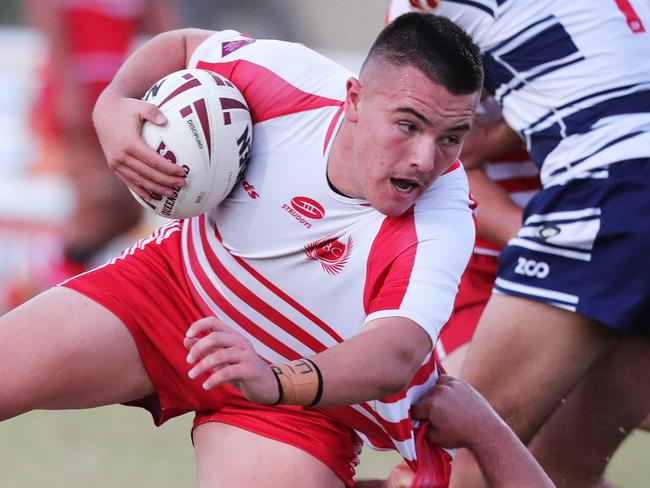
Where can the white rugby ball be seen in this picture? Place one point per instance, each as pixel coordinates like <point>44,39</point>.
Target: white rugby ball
<point>208,132</point>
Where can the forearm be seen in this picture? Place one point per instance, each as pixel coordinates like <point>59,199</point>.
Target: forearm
<point>378,362</point>
<point>499,218</point>
<point>505,461</point>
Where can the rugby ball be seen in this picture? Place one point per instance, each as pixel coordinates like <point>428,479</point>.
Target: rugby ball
<point>208,132</point>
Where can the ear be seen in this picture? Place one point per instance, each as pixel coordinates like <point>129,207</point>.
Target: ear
<point>352,100</point>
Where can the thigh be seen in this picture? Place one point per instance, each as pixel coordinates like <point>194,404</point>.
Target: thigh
<point>230,456</point>
<point>62,350</point>
<point>526,355</point>
<point>453,361</point>
<point>609,402</point>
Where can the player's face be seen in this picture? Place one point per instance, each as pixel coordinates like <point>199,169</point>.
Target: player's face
<point>408,131</point>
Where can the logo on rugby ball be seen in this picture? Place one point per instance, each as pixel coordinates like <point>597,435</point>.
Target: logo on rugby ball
<point>308,207</point>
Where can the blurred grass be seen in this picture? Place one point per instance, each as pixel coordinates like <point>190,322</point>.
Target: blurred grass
<point>119,446</point>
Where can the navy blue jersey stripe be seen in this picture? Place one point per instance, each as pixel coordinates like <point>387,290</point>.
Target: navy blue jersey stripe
<point>610,143</point>
<point>551,44</point>
<point>549,69</point>
<point>477,5</point>
<point>496,74</point>
<point>580,122</point>
<point>522,31</point>
<point>548,45</point>
<point>532,126</point>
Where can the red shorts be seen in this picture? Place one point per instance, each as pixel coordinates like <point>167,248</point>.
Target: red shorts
<point>473,293</point>
<point>146,289</point>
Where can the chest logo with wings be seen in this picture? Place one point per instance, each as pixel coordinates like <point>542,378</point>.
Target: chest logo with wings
<point>332,253</point>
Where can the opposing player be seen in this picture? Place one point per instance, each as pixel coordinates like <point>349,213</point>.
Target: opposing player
<point>575,278</point>
<point>286,308</point>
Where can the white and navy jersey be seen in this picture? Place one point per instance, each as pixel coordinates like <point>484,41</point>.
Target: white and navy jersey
<point>297,267</point>
<point>572,76</point>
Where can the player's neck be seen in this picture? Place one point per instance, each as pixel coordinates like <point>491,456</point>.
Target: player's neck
<point>340,164</point>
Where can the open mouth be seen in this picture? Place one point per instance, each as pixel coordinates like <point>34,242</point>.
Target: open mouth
<point>403,185</point>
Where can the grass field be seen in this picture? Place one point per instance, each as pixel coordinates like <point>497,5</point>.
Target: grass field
<point>119,447</point>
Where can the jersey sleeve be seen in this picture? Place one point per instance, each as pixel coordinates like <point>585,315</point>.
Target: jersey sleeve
<point>276,77</point>
<point>474,17</point>
<point>420,281</point>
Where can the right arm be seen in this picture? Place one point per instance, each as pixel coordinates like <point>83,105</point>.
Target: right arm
<point>119,113</point>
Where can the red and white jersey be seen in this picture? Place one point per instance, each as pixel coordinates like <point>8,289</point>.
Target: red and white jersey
<point>295,266</point>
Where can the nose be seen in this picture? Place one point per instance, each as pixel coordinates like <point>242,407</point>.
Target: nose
<point>424,156</point>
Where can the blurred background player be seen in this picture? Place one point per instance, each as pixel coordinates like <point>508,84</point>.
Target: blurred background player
<point>87,41</point>
<point>572,79</point>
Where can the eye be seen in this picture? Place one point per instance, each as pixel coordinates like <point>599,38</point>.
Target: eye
<point>451,140</point>
<point>407,127</point>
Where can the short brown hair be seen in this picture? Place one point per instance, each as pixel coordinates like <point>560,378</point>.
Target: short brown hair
<point>435,45</point>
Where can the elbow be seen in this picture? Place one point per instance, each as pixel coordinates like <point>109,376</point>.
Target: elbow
<point>404,363</point>
<point>399,348</point>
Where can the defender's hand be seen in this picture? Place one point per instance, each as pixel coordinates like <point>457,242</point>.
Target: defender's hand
<point>456,412</point>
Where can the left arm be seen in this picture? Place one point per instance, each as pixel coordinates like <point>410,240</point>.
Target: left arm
<point>378,362</point>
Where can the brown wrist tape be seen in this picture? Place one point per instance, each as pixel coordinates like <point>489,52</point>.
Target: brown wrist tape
<point>299,382</point>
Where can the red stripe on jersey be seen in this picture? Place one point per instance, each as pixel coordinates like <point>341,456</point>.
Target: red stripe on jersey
<point>631,17</point>
<point>267,94</point>
<point>239,318</point>
<point>254,301</point>
<point>520,183</point>
<point>421,376</point>
<point>279,293</point>
<point>381,431</point>
<point>454,166</point>
<point>330,129</point>
<point>390,263</point>
<point>359,422</point>
<point>399,431</point>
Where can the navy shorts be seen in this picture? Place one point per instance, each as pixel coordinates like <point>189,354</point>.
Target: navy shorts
<point>585,247</point>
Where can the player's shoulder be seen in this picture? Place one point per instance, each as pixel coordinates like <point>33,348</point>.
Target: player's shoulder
<point>279,55</point>
<point>279,69</point>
